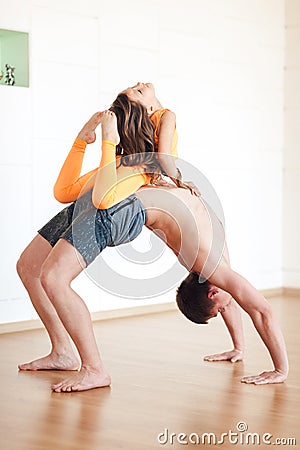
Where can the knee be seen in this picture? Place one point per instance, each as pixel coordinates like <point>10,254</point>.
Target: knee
<point>20,267</point>
<point>51,278</point>
<point>47,278</point>
<point>24,269</point>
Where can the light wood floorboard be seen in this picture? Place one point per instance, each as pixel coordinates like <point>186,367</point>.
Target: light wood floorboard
<point>159,382</point>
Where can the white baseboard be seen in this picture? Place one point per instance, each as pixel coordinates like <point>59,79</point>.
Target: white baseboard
<point>14,327</point>
<point>292,292</point>
<point>26,325</point>
<point>273,292</point>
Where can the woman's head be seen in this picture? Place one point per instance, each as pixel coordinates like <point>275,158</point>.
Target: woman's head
<point>143,93</point>
<point>136,131</point>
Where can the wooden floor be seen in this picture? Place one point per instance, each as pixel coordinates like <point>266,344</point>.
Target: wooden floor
<point>159,382</point>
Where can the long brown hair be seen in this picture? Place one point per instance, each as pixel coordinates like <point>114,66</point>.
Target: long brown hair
<point>136,131</point>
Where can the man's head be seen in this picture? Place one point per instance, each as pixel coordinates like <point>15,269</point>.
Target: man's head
<point>200,300</point>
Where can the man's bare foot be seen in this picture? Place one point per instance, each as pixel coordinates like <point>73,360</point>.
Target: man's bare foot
<point>87,133</point>
<point>84,380</point>
<point>52,362</point>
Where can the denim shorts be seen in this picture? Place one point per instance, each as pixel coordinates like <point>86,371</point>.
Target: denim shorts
<point>90,230</point>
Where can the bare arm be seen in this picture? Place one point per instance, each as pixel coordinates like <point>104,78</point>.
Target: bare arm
<point>233,321</point>
<point>165,138</point>
<point>263,318</point>
<point>167,160</point>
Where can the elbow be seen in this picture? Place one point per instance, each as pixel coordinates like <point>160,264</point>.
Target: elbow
<point>264,314</point>
<point>100,202</point>
<point>58,195</point>
<point>266,310</point>
<point>95,201</point>
<point>63,195</point>
<point>268,316</point>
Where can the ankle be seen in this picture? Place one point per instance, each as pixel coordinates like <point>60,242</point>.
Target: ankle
<point>95,368</point>
<point>62,350</point>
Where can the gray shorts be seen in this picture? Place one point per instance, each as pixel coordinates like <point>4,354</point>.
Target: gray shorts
<point>90,230</point>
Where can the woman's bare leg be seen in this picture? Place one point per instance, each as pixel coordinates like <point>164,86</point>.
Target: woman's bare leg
<point>62,356</point>
<point>64,264</point>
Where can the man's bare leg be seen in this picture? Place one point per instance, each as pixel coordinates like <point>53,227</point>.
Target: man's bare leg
<point>64,264</point>
<point>62,355</point>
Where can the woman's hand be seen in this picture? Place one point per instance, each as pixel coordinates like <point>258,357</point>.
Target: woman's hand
<point>192,187</point>
<point>87,133</point>
<point>109,127</point>
<point>232,356</point>
<point>274,376</point>
<point>186,185</point>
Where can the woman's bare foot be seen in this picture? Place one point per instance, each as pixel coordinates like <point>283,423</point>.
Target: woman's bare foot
<point>110,126</point>
<point>84,380</point>
<point>87,133</point>
<point>52,362</point>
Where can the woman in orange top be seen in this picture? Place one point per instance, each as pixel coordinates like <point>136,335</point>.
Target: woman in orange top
<point>115,182</point>
<point>127,161</point>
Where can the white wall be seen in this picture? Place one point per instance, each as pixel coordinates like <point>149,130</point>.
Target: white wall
<point>218,64</point>
<point>291,186</point>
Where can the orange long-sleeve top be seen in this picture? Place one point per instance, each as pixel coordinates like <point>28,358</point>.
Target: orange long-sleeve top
<point>110,183</point>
